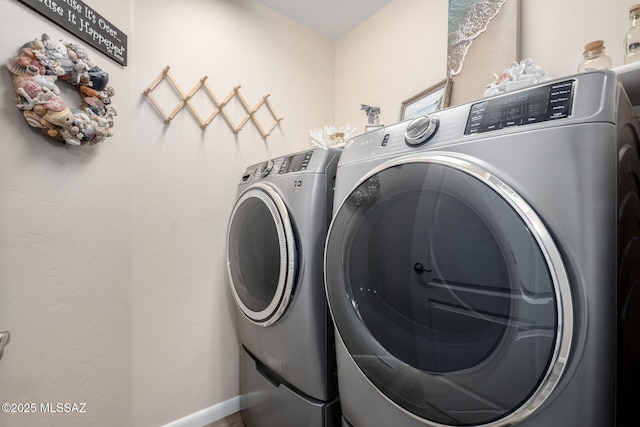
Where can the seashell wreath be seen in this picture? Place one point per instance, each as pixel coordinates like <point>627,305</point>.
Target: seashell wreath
<point>35,71</point>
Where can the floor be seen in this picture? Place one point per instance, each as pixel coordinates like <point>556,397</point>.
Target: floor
<point>233,420</point>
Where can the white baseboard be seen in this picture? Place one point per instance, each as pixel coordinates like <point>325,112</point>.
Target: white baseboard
<point>208,415</point>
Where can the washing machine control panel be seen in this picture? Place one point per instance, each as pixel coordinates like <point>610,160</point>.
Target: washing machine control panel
<point>295,163</point>
<point>535,105</point>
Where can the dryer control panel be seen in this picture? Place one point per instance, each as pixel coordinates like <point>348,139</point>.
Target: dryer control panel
<point>539,104</point>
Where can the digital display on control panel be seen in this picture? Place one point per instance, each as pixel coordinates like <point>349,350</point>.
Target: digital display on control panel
<point>535,105</point>
<point>295,163</point>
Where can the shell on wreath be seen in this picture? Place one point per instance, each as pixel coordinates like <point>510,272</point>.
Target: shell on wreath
<point>84,80</point>
<point>48,82</point>
<point>68,137</point>
<point>34,44</point>
<point>55,104</point>
<point>50,54</point>
<point>80,118</point>
<point>89,133</point>
<point>81,54</point>
<point>111,113</point>
<point>79,75</point>
<point>99,78</point>
<point>63,119</point>
<point>55,49</point>
<point>101,135</point>
<point>73,56</point>
<point>86,91</point>
<point>28,53</point>
<point>18,65</point>
<point>50,130</point>
<point>39,109</point>
<point>35,121</point>
<point>20,79</point>
<point>27,56</point>
<point>95,104</point>
<point>35,88</point>
<point>15,68</point>
<point>51,67</point>
<point>82,127</point>
<point>98,120</point>
<point>109,91</point>
<point>18,69</point>
<point>78,57</point>
<point>31,88</point>
<point>24,60</point>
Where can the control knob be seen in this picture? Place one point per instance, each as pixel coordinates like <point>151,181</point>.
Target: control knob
<point>421,129</point>
<point>264,168</point>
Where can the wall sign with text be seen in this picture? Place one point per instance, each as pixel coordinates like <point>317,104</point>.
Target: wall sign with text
<point>85,23</point>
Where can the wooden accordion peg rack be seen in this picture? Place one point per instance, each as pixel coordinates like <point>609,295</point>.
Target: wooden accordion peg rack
<point>219,105</point>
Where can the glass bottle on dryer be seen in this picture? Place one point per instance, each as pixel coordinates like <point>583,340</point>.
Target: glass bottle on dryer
<point>595,57</point>
<point>632,38</point>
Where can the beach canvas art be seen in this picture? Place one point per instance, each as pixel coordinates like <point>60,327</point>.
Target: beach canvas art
<point>484,39</point>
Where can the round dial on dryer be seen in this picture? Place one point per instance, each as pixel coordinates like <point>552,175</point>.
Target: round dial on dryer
<point>265,168</point>
<point>421,129</point>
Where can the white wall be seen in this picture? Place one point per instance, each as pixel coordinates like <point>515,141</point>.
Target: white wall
<point>112,277</point>
<point>65,251</point>
<point>185,354</point>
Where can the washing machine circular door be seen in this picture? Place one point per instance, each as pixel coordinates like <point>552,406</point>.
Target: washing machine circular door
<point>448,292</point>
<point>261,254</point>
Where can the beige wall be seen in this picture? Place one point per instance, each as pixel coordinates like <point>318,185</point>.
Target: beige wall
<point>392,56</point>
<point>65,250</point>
<point>554,32</point>
<point>185,354</point>
<point>112,276</point>
<point>402,49</point>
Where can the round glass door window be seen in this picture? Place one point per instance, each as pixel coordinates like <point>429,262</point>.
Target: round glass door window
<point>448,293</point>
<point>261,255</point>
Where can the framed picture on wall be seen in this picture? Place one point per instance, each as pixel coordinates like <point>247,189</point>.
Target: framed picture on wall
<point>483,39</point>
<point>432,99</point>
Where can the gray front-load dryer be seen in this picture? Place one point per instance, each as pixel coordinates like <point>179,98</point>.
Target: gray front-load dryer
<point>275,244</point>
<point>482,263</point>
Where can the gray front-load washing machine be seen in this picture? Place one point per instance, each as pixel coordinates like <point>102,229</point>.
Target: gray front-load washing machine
<point>482,263</point>
<point>275,245</point>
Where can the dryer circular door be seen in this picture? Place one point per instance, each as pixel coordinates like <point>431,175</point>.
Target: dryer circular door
<point>448,292</point>
<point>261,254</point>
